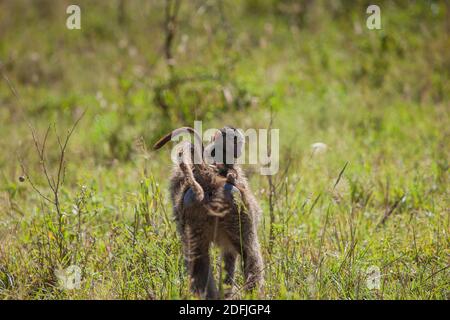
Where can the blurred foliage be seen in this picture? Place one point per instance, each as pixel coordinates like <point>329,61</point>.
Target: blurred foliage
<point>378,98</point>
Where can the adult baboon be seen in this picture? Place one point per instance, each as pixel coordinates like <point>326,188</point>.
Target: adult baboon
<point>213,204</point>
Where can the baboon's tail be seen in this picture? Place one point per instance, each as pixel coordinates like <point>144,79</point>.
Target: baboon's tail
<point>161,142</point>
<point>186,161</point>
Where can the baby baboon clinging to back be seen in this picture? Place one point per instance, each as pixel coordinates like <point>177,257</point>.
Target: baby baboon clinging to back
<point>214,204</point>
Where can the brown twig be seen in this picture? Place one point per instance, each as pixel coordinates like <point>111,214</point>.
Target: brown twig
<point>391,210</point>
<point>271,188</point>
<point>8,82</point>
<point>54,185</point>
<point>171,12</point>
<point>340,175</point>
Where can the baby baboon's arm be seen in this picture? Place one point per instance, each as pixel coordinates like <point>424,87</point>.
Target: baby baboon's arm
<point>186,167</point>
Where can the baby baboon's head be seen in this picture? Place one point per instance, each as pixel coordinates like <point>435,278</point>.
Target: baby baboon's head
<point>227,145</point>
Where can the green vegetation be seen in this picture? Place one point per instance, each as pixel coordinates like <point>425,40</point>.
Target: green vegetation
<point>379,99</point>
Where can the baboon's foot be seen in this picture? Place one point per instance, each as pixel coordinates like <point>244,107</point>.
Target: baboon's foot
<point>229,292</point>
<point>232,192</point>
<point>254,285</point>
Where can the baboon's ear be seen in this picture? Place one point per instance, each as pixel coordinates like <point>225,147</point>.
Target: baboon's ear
<point>239,141</point>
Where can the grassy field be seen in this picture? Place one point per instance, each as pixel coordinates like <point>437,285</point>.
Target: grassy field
<point>376,199</point>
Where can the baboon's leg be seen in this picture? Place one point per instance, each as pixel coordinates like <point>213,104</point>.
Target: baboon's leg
<point>198,265</point>
<point>202,280</point>
<point>229,259</point>
<point>253,265</point>
<point>248,246</point>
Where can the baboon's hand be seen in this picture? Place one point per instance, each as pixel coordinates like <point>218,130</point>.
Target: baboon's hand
<point>231,177</point>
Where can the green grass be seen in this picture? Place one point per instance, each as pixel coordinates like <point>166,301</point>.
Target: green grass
<point>378,99</point>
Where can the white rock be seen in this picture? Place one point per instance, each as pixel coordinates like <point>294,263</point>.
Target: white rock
<point>319,148</point>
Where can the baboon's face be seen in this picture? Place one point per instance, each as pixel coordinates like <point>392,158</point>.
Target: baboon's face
<point>230,142</point>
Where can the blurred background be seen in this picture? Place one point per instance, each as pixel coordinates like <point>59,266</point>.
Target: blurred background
<point>143,68</point>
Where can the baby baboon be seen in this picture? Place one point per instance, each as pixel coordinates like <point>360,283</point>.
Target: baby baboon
<point>214,204</point>
<point>226,146</point>
<point>211,176</point>
<point>224,149</point>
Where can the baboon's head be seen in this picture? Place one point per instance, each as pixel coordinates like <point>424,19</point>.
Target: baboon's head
<point>226,145</point>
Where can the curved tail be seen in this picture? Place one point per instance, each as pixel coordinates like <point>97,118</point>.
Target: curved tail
<point>161,142</point>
